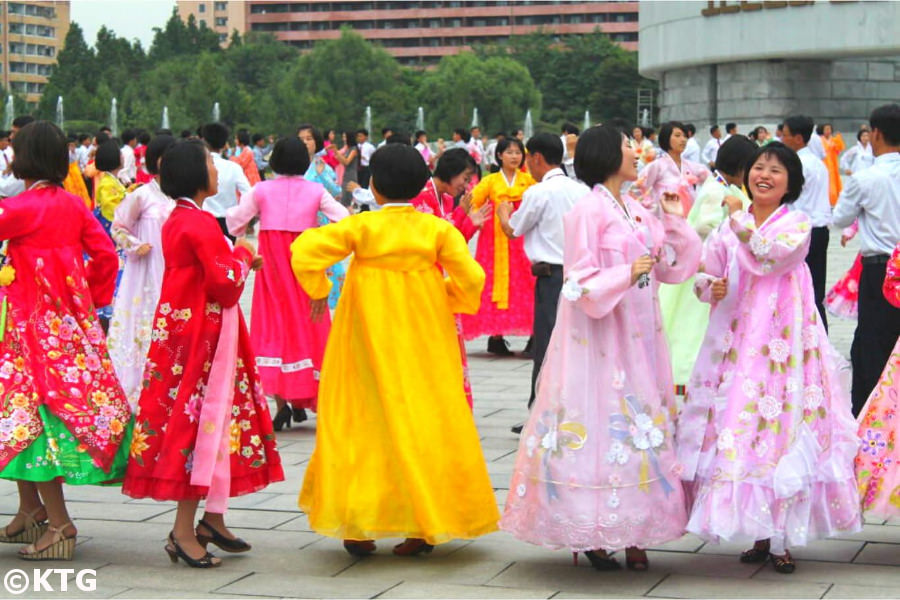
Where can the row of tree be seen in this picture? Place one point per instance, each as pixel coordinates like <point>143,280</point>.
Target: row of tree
<point>268,86</point>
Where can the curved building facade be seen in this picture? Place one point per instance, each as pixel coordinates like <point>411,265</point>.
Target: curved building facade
<point>753,63</point>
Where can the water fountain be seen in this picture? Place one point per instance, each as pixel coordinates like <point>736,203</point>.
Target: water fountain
<point>8,113</point>
<point>587,120</point>
<point>420,120</point>
<point>475,122</point>
<point>60,119</point>
<point>216,113</point>
<point>165,118</point>
<point>528,128</point>
<point>113,118</point>
<point>645,118</point>
<point>368,123</point>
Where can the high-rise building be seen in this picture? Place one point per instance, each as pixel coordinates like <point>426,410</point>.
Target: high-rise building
<point>32,35</point>
<point>417,32</point>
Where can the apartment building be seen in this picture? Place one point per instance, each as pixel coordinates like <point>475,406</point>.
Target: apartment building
<point>31,34</point>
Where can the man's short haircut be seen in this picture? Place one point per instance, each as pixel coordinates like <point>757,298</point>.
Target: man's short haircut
<point>800,124</point>
<point>102,137</point>
<point>786,157</point>
<point>729,127</point>
<point>398,138</point>
<point>363,131</point>
<point>420,133</point>
<point>453,162</point>
<point>462,133</point>
<point>398,172</point>
<point>733,155</point>
<point>81,137</point>
<point>22,120</point>
<point>316,134</point>
<point>886,119</point>
<point>568,128</point>
<point>290,156</point>
<point>183,170</point>
<point>386,130</point>
<point>155,149</point>
<point>41,152</point>
<point>598,154</point>
<point>144,137</point>
<point>257,137</point>
<point>547,145</point>
<point>215,134</point>
<point>185,134</point>
<point>243,137</point>
<point>128,135</point>
<point>108,157</point>
<point>665,133</point>
<point>713,129</point>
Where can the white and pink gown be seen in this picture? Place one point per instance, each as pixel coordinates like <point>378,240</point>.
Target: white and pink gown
<point>663,176</point>
<point>766,436</point>
<point>596,464</point>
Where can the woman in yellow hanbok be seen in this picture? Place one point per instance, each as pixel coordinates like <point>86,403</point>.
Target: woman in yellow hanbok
<point>397,453</point>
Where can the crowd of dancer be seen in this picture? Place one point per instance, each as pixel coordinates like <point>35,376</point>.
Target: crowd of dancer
<point>683,378</point>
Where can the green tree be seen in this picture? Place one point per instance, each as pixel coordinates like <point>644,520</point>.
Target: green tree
<point>178,38</point>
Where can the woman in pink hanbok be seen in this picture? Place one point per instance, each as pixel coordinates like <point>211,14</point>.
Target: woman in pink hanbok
<point>596,469</point>
<point>842,300</point>
<point>879,425</point>
<point>670,173</point>
<point>288,344</point>
<point>137,230</point>
<point>766,436</point>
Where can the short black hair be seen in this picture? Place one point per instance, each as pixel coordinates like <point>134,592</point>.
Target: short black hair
<point>40,151</point>
<point>144,137</point>
<point>465,135</point>
<point>860,133</point>
<point>453,162</point>
<point>733,155</point>
<point>791,162</point>
<point>729,127</point>
<point>22,120</point>
<point>801,124</point>
<point>398,171</point>
<point>713,129</point>
<point>128,135</point>
<point>384,130</point>
<point>257,137</point>
<point>106,129</point>
<point>547,145</point>
<point>243,137</point>
<point>505,143</point>
<point>886,119</point>
<point>570,128</point>
<point>290,156</point>
<point>689,129</point>
<point>516,132</point>
<point>108,156</point>
<point>155,149</point>
<point>4,134</point>
<point>598,154</point>
<point>316,134</point>
<point>363,131</point>
<point>81,137</point>
<point>215,134</point>
<point>101,138</point>
<point>398,138</point>
<point>183,171</point>
<point>185,134</point>
<point>666,131</point>
<point>420,133</point>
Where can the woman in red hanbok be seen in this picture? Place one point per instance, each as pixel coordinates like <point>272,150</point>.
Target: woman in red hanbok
<point>202,428</point>
<point>245,157</point>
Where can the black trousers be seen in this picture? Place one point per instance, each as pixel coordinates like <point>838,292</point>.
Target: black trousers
<point>816,259</point>
<point>546,300</point>
<point>877,328</point>
<point>364,175</point>
<point>224,228</point>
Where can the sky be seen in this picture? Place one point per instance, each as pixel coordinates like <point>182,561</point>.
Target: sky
<point>128,18</point>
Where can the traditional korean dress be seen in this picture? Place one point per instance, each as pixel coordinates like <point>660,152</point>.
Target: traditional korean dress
<point>138,221</point>
<point>328,178</point>
<point>430,202</point>
<point>63,413</point>
<point>833,147</point>
<point>766,435</point>
<point>74,184</point>
<point>842,300</point>
<point>289,347</point>
<point>248,165</point>
<point>397,453</point>
<point>684,317</point>
<point>109,193</point>
<point>596,464</point>
<point>663,176</point>
<point>200,370</point>
<point>507,302</point>
<point>877,467</point>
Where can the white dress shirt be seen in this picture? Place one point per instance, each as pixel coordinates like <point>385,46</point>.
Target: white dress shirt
<point>129,169</point>
<point>692,150</point>
<point>364,197</point>
<point>814,200</point>
<point>366,150</point>
<point>10,186</point>
<point>6,156</point>
<point>232,181</point>
<point>710,151</point>
<point>539,218</point>
<point>873,196</point>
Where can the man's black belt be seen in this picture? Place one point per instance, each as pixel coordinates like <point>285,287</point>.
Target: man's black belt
<point>877,259</point>
<point>544,269</point>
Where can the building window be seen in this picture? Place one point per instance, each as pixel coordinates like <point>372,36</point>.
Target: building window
<point>223,37</point>
<point>221,21</point>
<point>16,48</point>
<point>201,8</point>
<point>30,68</point>
<point>220,6</point>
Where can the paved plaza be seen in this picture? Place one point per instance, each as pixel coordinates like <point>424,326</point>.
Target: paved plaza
<point>123,539</point>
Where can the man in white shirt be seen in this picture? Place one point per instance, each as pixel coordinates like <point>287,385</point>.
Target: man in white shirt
<point>692,148</point>
<point>730,130</point>
<point>490,153</point>
<point>83,151</point>
<point>366,150</point>
<point>815,145</point>
<point>539,220</point>
<point>813,202</point>
<point>475,147</point>
<point>129,166</point>
<point>708,156</point>
<point>232,181</point>
<point>385,134</point>
<point>873,196</point>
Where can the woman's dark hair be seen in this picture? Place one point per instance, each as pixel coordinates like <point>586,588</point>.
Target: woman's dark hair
<point>860,133</point>
<point>452,163</point>
<point>144,137</point>
<point>290,157</point>
<point>598,154</point>
<point>351,138</point>
<point>689,129</point>
<point>398,171</point>
<point>666,131</point>
<point>786,157</point>
<point>155,149</point>
<point>505,143</point>
<point>108,156</point>
<point>243,137</point>
<point>547,145</point>
<point>101,138</point>
<point>183,171</point>
<point>398,138</point>
<point>733,155</point>
<point>316,134</point>
<point>419,134</point>
<point>40,152</point>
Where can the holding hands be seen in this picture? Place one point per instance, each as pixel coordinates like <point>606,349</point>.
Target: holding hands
<point>257,261</point>
<point>719,289</point>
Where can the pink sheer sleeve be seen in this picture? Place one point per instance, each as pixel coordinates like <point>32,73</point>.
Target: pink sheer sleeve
<point>713,265</point>
<point>681,251</point>
<point>775,249</point>
<point>238,217</point>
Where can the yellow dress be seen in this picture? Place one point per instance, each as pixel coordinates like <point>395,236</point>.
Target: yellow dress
<point>397,453</point>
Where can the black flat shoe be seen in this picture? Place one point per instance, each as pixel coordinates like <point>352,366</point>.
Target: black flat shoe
<point>175,552</point>
<point>517,429</point>
<point>228,545</point>
<point>282,418</point>
<point>359,547</point>
<point>599,560</point>
<point>759,553</point>
<point>299,415</point>
<point>499,346</point>
<point>783,564</point>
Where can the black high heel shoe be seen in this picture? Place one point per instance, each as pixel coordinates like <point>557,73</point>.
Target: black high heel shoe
<point>175,552</point>
<point>599,560</point>
<point>299,415</point>
<point>228,545</point>
<point>282,418</point>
